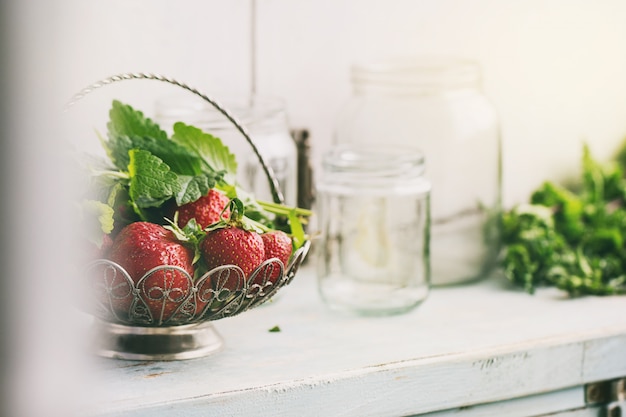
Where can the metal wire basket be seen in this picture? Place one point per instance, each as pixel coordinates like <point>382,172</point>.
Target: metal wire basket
<point>166,314</point>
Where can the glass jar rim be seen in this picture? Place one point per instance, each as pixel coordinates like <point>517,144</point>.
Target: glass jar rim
<point>418,72</point>
<point>252,110</point>
<point>378,161</point>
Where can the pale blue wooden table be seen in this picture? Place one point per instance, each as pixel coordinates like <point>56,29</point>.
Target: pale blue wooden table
<point>482,349</point>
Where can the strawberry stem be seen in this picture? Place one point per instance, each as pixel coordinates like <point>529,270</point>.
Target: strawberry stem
<point>110,173</point>
<point>236,211</point>
<point>283,209</point>
<point>253,224</point>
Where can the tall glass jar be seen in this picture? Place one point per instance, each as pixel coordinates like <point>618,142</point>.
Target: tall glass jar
<point>265,119</point>
<point>438,107</point>
<point>373,212</point>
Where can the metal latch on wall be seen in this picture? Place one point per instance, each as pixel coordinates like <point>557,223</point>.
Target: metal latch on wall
<point>610,394</point>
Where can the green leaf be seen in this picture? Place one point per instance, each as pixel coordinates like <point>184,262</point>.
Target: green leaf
<point>593,180</point>
<point>130,129</point>
<point>571,239</point>
<point>210,148</point>
<point>100,211</point>
<point>274,329</point>
<point>519,268</point>
<point>180,159</point>
<point>151,180</point>
<point>124,121</point>
<point>96,220</point>
<point>567,208</point>
<point>605,240</point>
<point>194,187</point>
<point>297,230</point>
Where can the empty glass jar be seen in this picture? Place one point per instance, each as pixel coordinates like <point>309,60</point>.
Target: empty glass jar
<point>438,107</point>
<point>373,213</point>
<point>265,119</point>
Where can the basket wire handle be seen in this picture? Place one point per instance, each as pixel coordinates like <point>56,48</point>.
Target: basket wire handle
<point>277,195</point>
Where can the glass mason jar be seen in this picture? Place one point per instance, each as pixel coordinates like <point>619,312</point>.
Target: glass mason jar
<point>264,118</point>
<point>437,106</point>
<point>373,212</point>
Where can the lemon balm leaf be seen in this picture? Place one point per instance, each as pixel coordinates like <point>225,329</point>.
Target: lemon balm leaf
<point>130,129</point>
<point>126,121</point>
<point>151,180</point>
<point>210,149</point>
<point>194,187</point>
<point>102,212</point>
<point>180,159</point>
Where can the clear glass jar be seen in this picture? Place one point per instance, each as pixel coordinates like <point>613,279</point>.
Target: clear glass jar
<point>437,106</point>
<point>373,212</point>
<point>264,118</point>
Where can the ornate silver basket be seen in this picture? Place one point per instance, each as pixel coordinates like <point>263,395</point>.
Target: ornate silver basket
<point>167,314</point>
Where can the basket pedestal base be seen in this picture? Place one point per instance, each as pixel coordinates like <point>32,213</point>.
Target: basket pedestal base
<point>155,343</point>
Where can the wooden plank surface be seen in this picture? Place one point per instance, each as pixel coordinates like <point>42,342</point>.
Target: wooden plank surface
<point>466,345</point>
<point>533,405</point>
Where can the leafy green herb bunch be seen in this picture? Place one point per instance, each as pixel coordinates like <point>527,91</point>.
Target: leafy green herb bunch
<point>571,238</point>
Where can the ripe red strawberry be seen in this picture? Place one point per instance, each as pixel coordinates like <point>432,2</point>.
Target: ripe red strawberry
<point>277,245</point>
<point>232,245</point>
<point>206,210</point>
<point>141,246</point>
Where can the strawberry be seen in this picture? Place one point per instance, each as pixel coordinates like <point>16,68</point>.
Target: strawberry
<point>232,245</point>
<point>206,210</point>
<point>277,244</point>
<point>141,246</point>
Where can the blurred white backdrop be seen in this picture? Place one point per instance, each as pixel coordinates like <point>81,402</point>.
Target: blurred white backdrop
<point>555,70</point>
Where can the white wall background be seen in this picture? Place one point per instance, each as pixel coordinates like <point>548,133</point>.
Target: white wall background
<point>555,69</point>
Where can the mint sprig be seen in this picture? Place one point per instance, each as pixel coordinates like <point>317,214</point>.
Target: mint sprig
<point>151,180</point>
<point>150,174</point>
<point>184,168</point>
<point>126,121</point>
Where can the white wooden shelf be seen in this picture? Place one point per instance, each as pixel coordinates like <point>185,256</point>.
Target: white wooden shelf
<point>483,346</point>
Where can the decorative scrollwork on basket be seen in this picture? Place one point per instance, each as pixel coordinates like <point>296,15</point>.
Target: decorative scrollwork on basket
<point>169,296</point>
